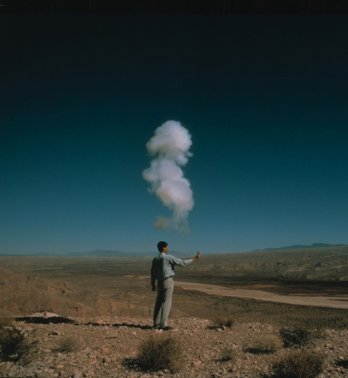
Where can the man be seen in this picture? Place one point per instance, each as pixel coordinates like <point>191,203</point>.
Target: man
<point>162,272</point>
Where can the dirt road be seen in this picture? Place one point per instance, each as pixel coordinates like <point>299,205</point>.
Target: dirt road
<point>340,302</point>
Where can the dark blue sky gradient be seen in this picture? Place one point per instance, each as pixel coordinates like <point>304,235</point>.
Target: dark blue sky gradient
<point>264,98</point>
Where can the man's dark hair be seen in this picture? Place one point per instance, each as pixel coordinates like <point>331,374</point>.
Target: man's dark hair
<point>161,245</point>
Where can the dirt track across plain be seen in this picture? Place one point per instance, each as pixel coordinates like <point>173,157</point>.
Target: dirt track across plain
<point>340,302</point>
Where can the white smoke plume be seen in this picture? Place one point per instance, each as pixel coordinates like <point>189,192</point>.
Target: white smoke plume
<point>170,148</point>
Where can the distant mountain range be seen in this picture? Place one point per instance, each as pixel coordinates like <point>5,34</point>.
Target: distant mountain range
<point>94,253</point>
<point>115,253</point>
<point>109,253</point>
<point>302,246</point>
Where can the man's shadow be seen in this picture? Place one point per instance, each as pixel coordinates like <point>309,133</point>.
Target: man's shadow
<point>118,325</point>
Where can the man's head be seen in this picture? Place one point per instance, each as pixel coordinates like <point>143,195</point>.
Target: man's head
<point>162,246</point>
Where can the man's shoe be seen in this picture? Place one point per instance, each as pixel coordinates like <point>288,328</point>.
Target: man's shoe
<point>167,328</point>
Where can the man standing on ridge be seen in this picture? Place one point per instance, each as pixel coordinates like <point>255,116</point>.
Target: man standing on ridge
<point>162,272</point>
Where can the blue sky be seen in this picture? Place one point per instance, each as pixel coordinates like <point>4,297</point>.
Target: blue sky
<point>264,98</point>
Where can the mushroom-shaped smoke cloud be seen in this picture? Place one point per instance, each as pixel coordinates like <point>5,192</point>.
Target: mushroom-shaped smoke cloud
<point>170,147</point>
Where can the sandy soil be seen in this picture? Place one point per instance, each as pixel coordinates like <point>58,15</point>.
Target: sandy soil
<point>340,302</point>
<point>108,348</point>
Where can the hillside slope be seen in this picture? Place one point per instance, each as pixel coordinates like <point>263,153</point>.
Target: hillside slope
<point>308,264</point>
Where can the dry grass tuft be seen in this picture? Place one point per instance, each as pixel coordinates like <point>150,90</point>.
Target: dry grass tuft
<point>160,353</point>
<point>267,345</point>
<point>227,355</point>
<point>13,346</point>
<point>67,345</point>
<point>222,323</point>
<point>298,364</point>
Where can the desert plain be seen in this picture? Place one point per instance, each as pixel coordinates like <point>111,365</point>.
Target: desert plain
<point>229,315</point>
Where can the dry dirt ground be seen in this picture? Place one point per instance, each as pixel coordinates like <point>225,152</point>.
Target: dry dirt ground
<point>262,295</point>
<point>111,301</point>
<point>105,347</point>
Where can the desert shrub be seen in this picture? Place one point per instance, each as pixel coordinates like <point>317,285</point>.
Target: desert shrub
<point>67,345</point>
<point>222,322</point>
<point>159,353</point>
<point>13,346</point>
<point>294,337</point>
<point>227,354</point>
<point>266,345</point>
<point>298,364</point>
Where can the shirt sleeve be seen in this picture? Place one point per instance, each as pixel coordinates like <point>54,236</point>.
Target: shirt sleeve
<point>179,262</point>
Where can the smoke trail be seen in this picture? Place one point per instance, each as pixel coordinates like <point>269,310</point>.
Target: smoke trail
<point>170,148</point>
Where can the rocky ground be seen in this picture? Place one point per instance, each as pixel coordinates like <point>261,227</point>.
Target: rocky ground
<point>105,347</point>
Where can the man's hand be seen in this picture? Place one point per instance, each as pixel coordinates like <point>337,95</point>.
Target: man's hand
<point>197,257</point>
